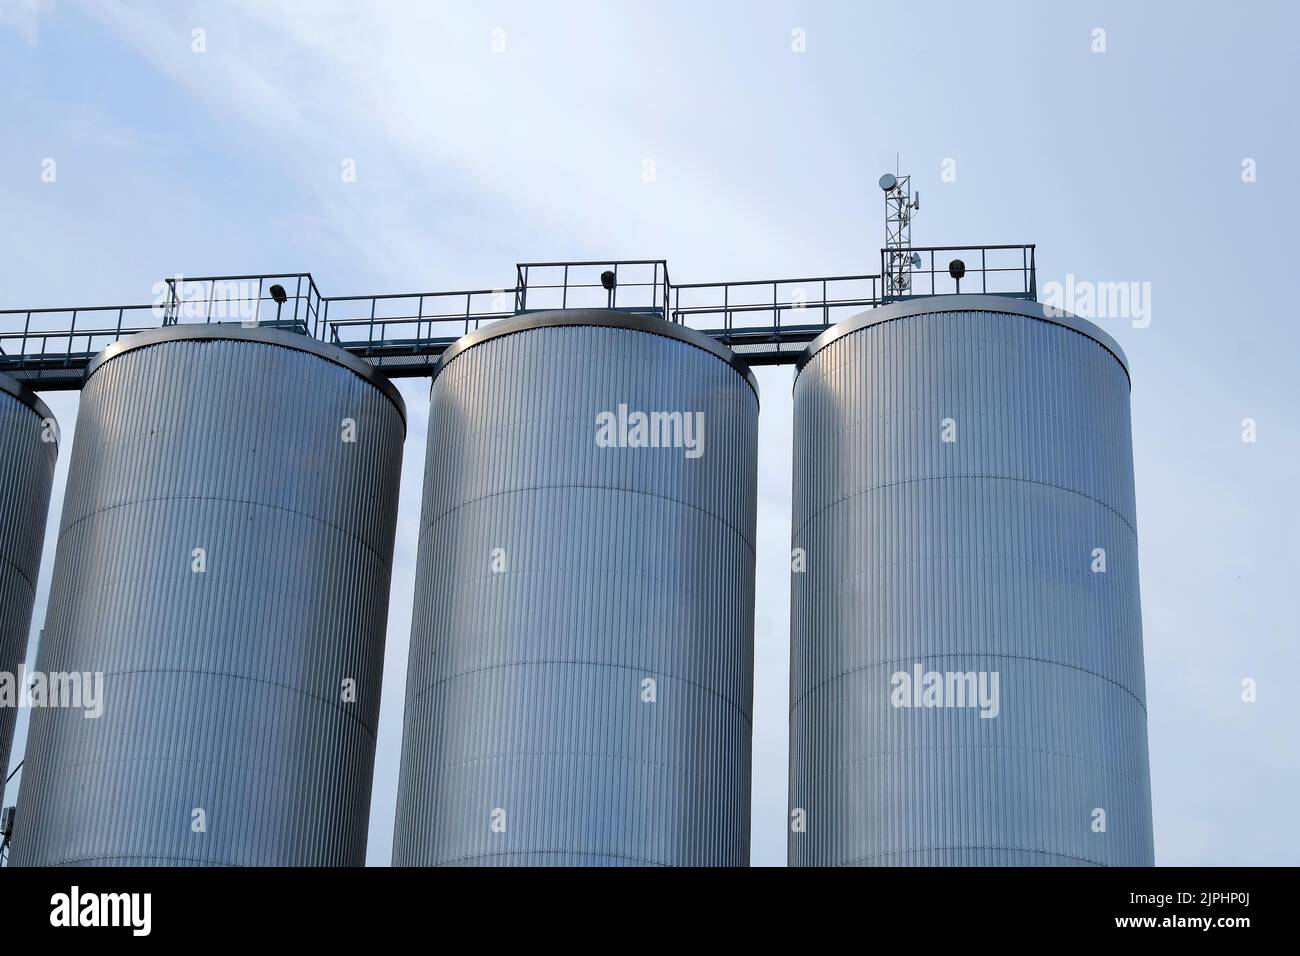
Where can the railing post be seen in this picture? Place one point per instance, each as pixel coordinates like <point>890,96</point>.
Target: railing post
<point>726,311</point>
<point>370,344</point>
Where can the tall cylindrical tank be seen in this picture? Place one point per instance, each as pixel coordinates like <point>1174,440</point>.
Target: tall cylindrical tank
<point>966,682</point>
<point>580,675</point>
<point>28,450</point>
<point>224,563</point>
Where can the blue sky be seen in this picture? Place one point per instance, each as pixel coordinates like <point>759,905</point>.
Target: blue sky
<point>1123,165</point>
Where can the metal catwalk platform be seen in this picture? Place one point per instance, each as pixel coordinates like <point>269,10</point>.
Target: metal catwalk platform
<point>766,321</point>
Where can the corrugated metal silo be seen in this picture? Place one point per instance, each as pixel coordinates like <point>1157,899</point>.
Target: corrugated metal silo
<point>961,464</point>
<point>580,676</point>
<point>224,560</point>
<point>28,451</point>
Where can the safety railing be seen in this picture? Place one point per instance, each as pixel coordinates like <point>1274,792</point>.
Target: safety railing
<point>53,337</point>
<point>373,324</point>
<point>285,300</point>
<point>1006,270</point>
<point>774,305</point>
<point>639,286</point>
<point>766,320</point>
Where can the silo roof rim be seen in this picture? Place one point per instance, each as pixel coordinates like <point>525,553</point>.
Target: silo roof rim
<point>20,391</point>
<point>964,303</point>
<point>231,332</point>
<point>609,318</point>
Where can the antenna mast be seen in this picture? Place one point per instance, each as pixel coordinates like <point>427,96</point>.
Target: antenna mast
<point>900,206</point>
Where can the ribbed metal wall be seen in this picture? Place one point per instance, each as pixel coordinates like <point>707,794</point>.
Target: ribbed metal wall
<point>524,693</point>
<point>968,556</point>
<point>224,690</point>
<point>28,451</point>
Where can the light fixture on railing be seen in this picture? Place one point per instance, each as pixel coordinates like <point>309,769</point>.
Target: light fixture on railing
<point>957,269</point>
<point>281,297</point>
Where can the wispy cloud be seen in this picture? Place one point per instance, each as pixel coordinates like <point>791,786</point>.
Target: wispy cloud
<point>24,17</point>
<point>442,117</point>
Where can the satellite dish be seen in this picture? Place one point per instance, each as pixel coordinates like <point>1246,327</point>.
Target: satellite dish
<point>916,260</point>
<point>888,181</point>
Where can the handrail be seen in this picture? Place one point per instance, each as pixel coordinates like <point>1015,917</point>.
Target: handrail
<point>406,331</point>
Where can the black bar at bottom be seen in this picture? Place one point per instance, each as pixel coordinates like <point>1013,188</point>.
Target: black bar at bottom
<point>980,909</point>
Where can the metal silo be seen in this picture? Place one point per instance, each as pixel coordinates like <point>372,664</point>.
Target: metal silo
<point>224,562</point>
<point>580,675</point>
<point>964,508</point>
<point>28,450</point>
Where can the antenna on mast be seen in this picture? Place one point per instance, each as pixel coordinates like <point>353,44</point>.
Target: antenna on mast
<point>900,206</point>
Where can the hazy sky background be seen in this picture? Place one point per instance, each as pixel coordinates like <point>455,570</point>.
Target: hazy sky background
<point>1122,166</point>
